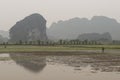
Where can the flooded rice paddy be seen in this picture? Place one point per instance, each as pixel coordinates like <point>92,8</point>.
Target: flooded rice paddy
<point>28,66</point>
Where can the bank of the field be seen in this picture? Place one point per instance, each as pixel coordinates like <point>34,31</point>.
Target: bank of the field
<point>66,49</point>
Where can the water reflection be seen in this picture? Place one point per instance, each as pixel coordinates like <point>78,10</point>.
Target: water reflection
<point>59,67</point>
<point>102,63</point>
<point>31,62</point>
<point>96,62</point>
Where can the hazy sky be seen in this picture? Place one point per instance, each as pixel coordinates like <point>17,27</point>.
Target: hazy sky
<point>12,11</point>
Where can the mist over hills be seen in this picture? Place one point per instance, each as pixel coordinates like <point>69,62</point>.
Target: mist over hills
<point>3,39</point>
<point>4,36</point>
<point>4,33</point>
<point>72,28</point>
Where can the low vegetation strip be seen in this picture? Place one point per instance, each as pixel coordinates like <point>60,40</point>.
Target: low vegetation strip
<point>62,48</point>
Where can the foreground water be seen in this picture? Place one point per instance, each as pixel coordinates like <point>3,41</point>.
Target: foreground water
<point>23,66</point>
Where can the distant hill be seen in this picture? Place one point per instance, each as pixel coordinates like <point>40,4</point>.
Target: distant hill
<point>31,28</point>
<point>3,39</point>
<point>4,33</point>
<point>105,37</point>
<point>71,29</point>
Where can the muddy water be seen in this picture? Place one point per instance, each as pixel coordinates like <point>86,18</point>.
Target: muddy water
<point>19,66</point>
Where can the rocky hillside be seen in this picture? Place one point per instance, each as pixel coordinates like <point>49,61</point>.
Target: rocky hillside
<point>71,29</point>
<point>106,37</point>
<point>30,28</point>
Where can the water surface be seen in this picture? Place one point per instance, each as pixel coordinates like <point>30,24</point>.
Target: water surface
<point>26,66</point>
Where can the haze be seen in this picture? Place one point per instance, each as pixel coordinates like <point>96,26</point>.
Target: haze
<point>54,10</point>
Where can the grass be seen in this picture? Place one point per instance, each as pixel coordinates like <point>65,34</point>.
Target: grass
<point>63,48</point>
<point>69,48</point>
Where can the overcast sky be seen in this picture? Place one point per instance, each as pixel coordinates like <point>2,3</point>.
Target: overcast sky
<point>12,11</point>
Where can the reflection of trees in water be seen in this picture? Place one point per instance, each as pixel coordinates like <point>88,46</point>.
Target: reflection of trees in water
<point>31,62</point>
<point>103,63</point>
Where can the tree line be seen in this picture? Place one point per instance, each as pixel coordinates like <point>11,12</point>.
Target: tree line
<point>60,42</point>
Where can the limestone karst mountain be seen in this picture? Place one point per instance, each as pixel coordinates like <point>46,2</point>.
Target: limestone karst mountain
<point>105,37</point>
<point>31,28</point>
<point>71,29</point>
